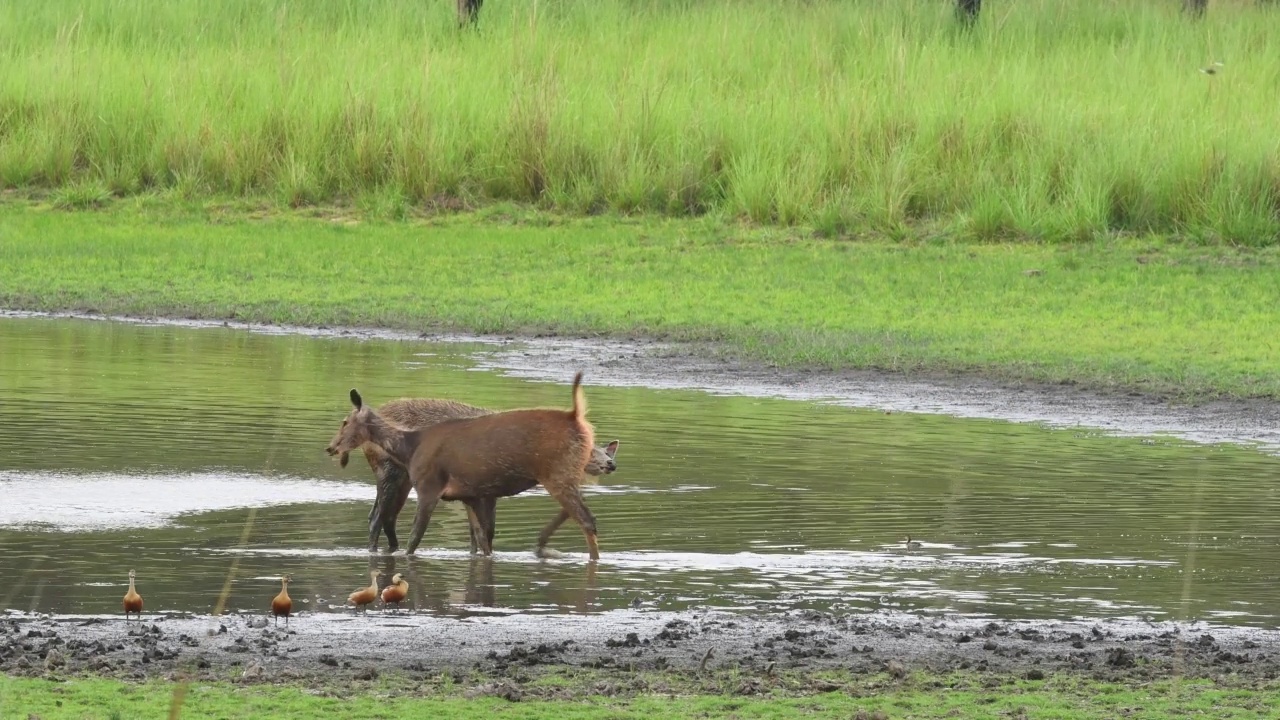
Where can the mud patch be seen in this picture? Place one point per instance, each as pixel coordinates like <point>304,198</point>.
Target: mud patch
<point>698,644</point>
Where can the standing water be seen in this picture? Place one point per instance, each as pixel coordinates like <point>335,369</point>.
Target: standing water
<point>196,457</point>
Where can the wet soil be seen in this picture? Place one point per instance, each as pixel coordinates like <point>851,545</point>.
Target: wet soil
<point>326,648</point>
<point>676,366</point>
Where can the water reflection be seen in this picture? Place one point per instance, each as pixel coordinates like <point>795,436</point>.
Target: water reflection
<point>148,448</point>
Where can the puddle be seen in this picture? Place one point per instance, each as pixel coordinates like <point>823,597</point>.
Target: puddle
<point>196,456</point>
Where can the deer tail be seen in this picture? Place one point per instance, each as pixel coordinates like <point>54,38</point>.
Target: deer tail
<point>579,399</point>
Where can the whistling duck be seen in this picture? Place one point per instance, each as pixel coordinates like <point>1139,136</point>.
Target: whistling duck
<point>282,604</point>
<point>396,591</point>
<point>911,544</point>
<point>132,600</point>
<point>361,598</point>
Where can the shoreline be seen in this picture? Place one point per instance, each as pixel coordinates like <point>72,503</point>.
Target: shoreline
<point>664,365</point>
<point>326,647</point>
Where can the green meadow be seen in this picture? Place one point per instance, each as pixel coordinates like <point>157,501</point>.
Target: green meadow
<point>1046,120</point>
<point>1165,318</point>
<point>945,697</point>
<point>1058,193</point>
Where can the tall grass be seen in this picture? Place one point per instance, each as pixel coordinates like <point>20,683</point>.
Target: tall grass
<point>1052,119</point>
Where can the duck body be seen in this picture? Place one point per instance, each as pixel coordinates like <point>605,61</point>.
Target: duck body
<point>361,598</point>
<point>132,600</point>
<point>911,544</point>
<point>282,604</point>
<point>396,592</point>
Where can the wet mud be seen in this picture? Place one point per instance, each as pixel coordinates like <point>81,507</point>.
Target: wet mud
<point>626,644</point>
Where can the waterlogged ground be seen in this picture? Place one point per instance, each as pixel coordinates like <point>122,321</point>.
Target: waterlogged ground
<point>196,457</point>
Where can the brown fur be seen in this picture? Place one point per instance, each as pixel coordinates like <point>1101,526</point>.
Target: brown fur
<point>393,482</point>
<point>393,478</point>
<point>484,456</point>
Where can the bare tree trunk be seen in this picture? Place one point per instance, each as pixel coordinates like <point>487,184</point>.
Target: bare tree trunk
<point>967,10</point>
<point>468,11</point>
<point>1195,8</point>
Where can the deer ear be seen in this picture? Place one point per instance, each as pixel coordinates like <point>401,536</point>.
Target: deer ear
<point>611,449</point>
<point>355,399</point>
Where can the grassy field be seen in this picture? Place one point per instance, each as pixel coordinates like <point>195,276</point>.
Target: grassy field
<point>947,697</point>
<point>1160,317</point>
<point>1048,120</point>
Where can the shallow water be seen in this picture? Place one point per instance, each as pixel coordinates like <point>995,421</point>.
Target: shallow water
<point>196,456</point>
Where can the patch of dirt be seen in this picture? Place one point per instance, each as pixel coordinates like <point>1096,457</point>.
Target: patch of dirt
<point>752,650</point>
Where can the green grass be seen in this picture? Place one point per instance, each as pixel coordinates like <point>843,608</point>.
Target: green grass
<point>1049,119</point>
<point>1145,315</point>
<point>1063,699</point>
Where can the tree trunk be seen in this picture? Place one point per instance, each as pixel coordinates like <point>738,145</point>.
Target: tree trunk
<point>468,11</point>
<point>967,10</point>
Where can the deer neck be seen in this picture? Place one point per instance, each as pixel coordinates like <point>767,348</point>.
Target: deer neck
<point>398,444</point>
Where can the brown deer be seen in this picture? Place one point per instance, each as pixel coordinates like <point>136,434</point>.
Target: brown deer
<point>393,478</point>
<point>484,457</point>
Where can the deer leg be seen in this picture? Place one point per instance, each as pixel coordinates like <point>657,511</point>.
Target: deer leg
<point>390,476</point>
<point>570,498</point>
<point>545,536</point>
<point>474,524</point>
<point>429,490</point>
<point>396,502</point>
<point>480,514</point>
<point>490,522</point>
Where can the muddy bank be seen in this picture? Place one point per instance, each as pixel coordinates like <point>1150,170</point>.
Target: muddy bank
<point>325,648</point>
<point>688,367</point>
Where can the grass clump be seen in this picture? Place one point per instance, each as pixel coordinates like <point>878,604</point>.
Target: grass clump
<point>1047,119</point>
<point>946,697</point>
